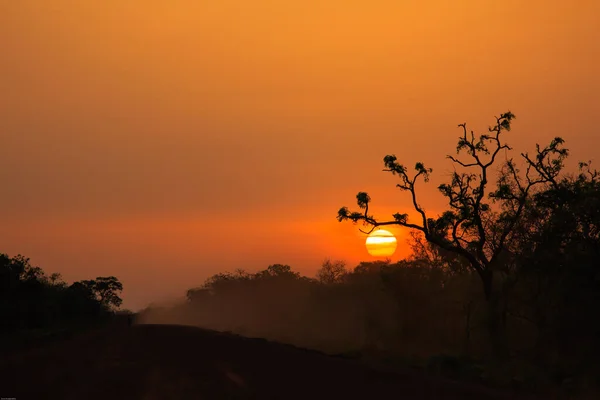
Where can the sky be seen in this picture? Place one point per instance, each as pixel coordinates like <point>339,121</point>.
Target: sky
<point>164,141</point>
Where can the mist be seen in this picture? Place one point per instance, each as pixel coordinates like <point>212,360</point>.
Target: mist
<point>340,311</point>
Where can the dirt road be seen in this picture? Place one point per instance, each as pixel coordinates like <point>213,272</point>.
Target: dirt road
<point>177,362</point>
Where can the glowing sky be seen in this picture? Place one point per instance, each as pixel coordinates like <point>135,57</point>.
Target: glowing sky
<point>163,141</point>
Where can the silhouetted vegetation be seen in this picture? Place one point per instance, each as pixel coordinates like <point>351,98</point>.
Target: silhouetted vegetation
<point>504,286</point>
<point>532,238</point>
<point>31,301</point>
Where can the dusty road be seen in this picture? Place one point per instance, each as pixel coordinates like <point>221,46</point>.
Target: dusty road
<point>177,362</point>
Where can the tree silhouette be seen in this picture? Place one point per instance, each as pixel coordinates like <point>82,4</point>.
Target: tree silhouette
<point>480,220</point>
<point>106,290</point>
<point>331,271</point>
<point>30,299</point>
<point>278,271</point>
<point>559,245</point>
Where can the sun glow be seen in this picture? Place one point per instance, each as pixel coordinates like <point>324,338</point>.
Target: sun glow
<point>381,243</point>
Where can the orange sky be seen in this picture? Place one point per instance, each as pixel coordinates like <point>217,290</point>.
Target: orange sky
<point>163,141</point>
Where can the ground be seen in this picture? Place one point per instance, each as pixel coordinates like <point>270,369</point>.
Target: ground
<point>178,362</point>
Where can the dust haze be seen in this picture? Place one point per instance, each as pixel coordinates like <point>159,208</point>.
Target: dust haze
<point>341,310</point>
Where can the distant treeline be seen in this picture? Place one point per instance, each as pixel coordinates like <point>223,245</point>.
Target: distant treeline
<point>30,299</point>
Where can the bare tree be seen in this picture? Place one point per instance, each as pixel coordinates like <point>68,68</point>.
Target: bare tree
<point>479,221</point>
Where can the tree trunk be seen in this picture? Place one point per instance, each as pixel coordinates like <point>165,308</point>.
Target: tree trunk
<point>495,319</point>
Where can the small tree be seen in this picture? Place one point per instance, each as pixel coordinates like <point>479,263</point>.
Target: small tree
<point>278,271</point>
<point>480,220</point>
<point>331,271</point>
<point>106,290</point>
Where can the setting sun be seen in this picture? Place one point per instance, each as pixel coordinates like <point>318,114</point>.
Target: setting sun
<point>381,243</point>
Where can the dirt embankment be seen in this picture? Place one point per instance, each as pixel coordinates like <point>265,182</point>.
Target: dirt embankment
<point>179,362</point>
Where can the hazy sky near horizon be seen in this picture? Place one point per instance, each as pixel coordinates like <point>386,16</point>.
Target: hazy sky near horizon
<point>163,141</point>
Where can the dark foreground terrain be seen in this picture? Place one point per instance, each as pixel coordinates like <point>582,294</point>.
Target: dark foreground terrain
<point>178,362</point>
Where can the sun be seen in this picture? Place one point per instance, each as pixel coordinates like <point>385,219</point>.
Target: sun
<point>381,243</point>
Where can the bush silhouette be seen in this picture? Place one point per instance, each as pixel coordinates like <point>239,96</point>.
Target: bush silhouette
<point>31,300</point>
